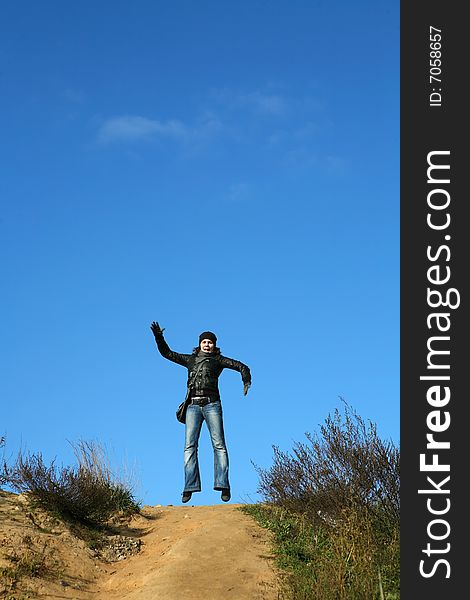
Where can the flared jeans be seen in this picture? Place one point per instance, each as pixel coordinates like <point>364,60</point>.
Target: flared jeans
<point>195,416</point>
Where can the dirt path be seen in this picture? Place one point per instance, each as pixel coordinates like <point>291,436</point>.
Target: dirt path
<point>194,553</point>
<point>187,553</point>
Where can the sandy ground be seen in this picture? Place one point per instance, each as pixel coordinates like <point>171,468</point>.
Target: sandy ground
<point>187,553</point>
<point>39,557</point>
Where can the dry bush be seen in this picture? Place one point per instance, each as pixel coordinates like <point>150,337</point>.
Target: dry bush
<point>2,474</point>
<point>345,466</point>
<point>333,503</point>
<point>87,493</point>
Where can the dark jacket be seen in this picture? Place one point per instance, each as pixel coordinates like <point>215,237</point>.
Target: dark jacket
<point>206,381</point>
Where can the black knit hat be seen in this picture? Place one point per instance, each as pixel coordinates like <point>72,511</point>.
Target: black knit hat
<point>208,335</point>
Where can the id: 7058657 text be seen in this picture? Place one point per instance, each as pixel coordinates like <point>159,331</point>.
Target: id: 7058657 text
<point>435,63</point>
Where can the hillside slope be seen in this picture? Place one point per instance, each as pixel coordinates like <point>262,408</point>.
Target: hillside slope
<point>186,552</point>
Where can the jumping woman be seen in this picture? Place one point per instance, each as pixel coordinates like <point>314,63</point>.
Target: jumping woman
<point>204,365</point>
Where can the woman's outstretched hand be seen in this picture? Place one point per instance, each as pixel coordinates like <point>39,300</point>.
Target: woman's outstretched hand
<point>156,329</point>
<point>246,387</point>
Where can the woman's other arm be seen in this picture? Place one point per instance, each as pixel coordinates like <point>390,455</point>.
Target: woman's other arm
<point>236,365</point>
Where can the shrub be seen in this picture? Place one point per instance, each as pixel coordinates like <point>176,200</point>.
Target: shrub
<point>87,493</point>
<point>345,466</point>
<point>333,504</point>
<point>3,479</point>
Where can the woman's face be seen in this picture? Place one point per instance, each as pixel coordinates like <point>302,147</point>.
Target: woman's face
<point>207,345</point>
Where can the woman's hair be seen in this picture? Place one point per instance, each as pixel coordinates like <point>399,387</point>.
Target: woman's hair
<point>216,350</point>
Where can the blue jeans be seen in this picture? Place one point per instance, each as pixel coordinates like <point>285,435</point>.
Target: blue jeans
<point>195,415</point>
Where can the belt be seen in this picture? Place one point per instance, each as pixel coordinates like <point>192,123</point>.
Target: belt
<point>203,400</point>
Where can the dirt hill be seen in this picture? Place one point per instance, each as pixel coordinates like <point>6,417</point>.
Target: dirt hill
<point>166,553</point>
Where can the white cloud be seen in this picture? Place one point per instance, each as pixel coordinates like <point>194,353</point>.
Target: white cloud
<point>268,104</point>
<point>258,102</point>
<point>133,128</point>
<point>239,192</point>
<point>209,124</point>
<point>337,164</point>
<point>73,95</point>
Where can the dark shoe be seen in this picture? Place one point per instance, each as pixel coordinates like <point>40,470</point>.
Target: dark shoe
<point>225,495</point>
<point>186,496</point>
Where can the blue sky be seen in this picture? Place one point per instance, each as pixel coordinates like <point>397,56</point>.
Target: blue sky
<point>210,165</point>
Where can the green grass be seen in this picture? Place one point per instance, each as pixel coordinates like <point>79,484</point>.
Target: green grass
<point>350,561</point>
<point>333,505</point>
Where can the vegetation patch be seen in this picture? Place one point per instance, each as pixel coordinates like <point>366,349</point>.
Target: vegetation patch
<point>333,507</point>
<point>87,494</point>
<point>84,505</point>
